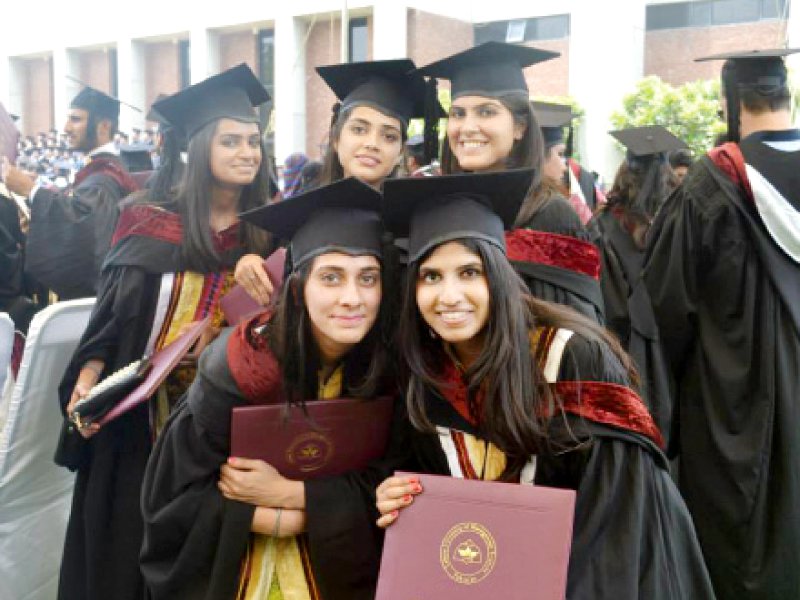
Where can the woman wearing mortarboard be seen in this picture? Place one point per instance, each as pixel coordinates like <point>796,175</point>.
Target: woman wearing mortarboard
<point>492,127</point>
<point>222,528</point>
<point>643,182</point>
<point>503,386</point>
<point>169,265</point>
<point>376,101</point>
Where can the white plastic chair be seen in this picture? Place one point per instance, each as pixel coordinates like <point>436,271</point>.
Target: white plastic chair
<point>35,494</point>
<point>6,346</point>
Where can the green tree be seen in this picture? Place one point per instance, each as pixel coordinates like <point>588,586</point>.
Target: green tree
<point>689,111</point>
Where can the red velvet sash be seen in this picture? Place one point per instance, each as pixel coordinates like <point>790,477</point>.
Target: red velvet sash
<point>160,224</point>
<point>729,159</point>
<point>252,365</point>
<point>554,250</point>
<point>601,402</point>
<point>110,167</point>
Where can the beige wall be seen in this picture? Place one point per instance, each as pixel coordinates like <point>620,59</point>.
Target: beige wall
<point>38,96</point>
<point>238,47</point>
<point>550,78</point>
<point>670,53</point>
<point>95,69</point>
<point>162,69</point>
<point>432,37</point>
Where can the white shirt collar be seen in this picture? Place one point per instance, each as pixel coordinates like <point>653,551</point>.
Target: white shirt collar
<point>109,148</point>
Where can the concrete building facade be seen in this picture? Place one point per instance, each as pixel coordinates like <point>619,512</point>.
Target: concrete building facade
<point>605,48</point>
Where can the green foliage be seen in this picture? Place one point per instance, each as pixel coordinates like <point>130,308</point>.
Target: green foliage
<point>416,127</point>
<point>688,111</point>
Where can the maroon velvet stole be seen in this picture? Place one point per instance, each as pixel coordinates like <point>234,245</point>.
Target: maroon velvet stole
<point>158,223</point>
<point>552,249</point>
<point>728,158</point>
<point>598,401</point>
<point>111,167</point>
<point>253,365</point>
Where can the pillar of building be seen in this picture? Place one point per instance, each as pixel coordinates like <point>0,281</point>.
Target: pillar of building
<point>131,84</point>
<point>12,80</point>
<point>602,70</point>
<point>66,83</point>
<point>290,88</point>
<point>204,50</point>
<point>792,38</point>
<point>389,29</point>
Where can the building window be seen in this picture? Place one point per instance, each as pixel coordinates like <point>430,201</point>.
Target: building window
<point>358,40</point>
<point>707,13</point>
<point>553,27</point>
<point>266,73</point>
<point>185,60</point>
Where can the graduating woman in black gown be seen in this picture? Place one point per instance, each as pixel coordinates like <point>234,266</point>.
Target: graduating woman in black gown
<point>169,265</point>
<point>643,182</point>
<point>220,527</point>
<point>492,127</point>
<point>506,387</point>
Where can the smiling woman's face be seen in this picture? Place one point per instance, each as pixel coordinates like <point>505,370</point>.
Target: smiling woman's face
<point>342,297</point>
<point>481,132</point>
<point>370,145</point>
<point>453,296</point>
<point>235,153</point>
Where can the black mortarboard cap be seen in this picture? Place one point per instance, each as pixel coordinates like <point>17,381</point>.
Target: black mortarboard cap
<point>491,69</point>
<point>552,118</point>
<point>136,158</point>
<point>434,210</point>
<point>97,103</point>
<point>645,141</point>
<point>385,85</point>
<point>759,68</point>
<point>232,94</point>
<point>154,115</point>
<point>762,71</point>
<point>343,216</point>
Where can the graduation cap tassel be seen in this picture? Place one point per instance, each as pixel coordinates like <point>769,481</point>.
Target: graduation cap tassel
<point>569,145</point>
<point>335,110</point>
<point>732,101</point>
<point>431,132</point>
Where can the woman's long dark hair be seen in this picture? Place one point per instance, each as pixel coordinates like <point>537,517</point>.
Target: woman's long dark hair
<point>291,339</point>
<point>517,399</point>
<point>170,168</point>
<point>193,199</point>
<point>529,151</point>
<point>642,184</point>
<point>640,188</point>
<point>332,170</point>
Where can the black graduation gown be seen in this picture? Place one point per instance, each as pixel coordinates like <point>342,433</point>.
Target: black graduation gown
<point>104,532</point>
<point>629,315</point>
<point>632,535</point>
<point>195,539</point>
<point>555,284</point>
<point>70,234</point>
<point>727,301</point>
<point>15,298</point>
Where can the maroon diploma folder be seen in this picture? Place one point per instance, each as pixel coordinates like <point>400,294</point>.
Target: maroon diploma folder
<point>163,362</point>
<point>470,540</point>
<point>238,305</point>
<point>339,435</point>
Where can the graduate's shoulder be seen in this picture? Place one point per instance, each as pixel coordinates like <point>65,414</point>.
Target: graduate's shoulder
<point>706,191</point>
